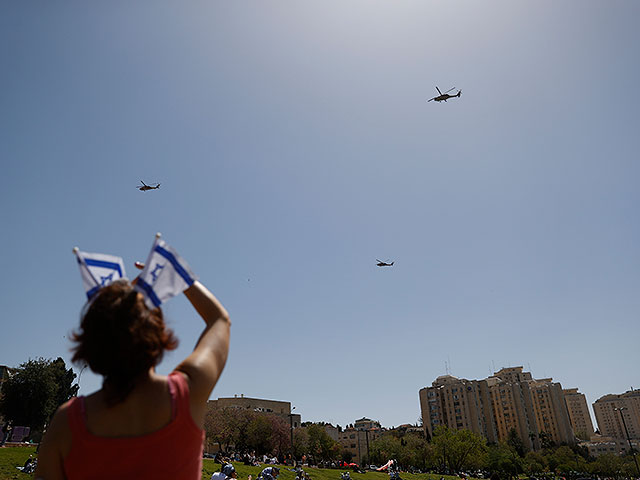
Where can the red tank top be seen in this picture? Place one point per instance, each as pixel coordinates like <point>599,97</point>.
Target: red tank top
<point>174,452</point>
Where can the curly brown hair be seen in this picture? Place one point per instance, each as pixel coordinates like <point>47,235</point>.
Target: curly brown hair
<point>120,339</point>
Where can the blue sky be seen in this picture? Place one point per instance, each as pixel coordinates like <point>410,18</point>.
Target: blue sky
<point>294,147</point>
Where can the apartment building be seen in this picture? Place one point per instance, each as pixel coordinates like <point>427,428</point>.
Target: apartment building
<point>578,413</point>
<point>357,438</point>
<point>599,445</point>
<point>458,404</point>
<point>509,399</point>
<point>614,411</point>
<point>282,409</point>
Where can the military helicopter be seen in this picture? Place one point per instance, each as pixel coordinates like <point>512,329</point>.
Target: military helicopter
<point>144,187</point>
<point>384,264</point>
<point>445,95</point>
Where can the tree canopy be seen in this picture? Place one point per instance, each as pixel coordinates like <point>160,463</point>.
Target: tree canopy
<point>35,390</point>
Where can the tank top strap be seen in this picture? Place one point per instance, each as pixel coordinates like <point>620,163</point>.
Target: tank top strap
<point>179,390</point>
<point>77,416</point>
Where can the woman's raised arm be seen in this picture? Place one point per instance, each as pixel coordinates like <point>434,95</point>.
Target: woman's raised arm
<point>204,366</point>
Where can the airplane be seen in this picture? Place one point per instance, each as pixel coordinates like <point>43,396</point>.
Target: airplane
<point>445,95</point>
<point>144,187</point>
<point>384,264</point>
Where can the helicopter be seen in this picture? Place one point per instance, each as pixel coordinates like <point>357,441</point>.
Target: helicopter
<point>384,264</point>
<point>144,187</point>
<point>445,95</point>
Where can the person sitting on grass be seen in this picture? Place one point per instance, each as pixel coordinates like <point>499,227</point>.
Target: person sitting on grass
<point>270,473</point>
<point>139,425</point>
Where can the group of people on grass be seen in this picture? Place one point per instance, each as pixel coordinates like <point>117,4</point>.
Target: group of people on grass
<point>228,472</point>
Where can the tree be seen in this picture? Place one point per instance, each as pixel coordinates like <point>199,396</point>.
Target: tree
<point>346,456</point>
<point>300,442</point>
<point>280,434</point>
<point>460,449</point>
<point>34,392</point>
<point>514,440</point>
<point>564,460</point>
<point>320,444</point>
<point>504,459</point>
<point>546,441</point>
<point>259,435</point>
<point>383,448</point>
<point>534,463</point>
<point>608,465</point>
<point>240,427</point>
<point>413,451</point>
<point>219,424</point>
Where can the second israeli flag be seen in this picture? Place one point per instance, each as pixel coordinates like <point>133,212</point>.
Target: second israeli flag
<point>165,274</point>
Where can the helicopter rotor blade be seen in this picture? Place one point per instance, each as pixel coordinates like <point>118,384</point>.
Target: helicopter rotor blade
<point>439,91</point>
<point>450,90</point>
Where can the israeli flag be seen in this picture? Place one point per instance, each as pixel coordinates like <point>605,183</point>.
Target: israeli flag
<point>98,270</point>
<point>165,274</point>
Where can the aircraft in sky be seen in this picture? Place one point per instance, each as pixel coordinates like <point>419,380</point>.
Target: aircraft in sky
<point>144,187</point>
<point>445,95</point>
<point>384,264</point>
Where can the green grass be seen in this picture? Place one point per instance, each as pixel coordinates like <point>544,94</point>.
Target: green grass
<point>209,466</point>
<point>12,457</point>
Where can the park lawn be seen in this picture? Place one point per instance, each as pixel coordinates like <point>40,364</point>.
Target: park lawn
<point>12,457</point>
<point>209,467</point>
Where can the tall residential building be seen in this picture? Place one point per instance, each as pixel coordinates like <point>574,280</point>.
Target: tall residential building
<point>458,404</point>
<point>578,413</point>
<point>492,407</point>
<point>610,410</point>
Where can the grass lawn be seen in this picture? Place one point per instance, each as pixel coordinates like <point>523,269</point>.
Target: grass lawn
<point>315,473</point>
<point>12,457</point>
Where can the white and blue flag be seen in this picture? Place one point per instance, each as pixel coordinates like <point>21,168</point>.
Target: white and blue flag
<point>165,274</point>
<point>98,270</point>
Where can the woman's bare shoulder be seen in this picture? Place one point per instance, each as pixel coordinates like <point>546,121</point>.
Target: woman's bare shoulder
<point>55,445</point>
<point>59,429</point>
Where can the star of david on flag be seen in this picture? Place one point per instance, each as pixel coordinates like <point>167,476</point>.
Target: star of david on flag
<point>165,275</point>
<point>98,270</point>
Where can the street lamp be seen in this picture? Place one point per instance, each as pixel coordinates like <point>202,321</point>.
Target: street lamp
<point>633,453</point>
<point>291,431</point>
